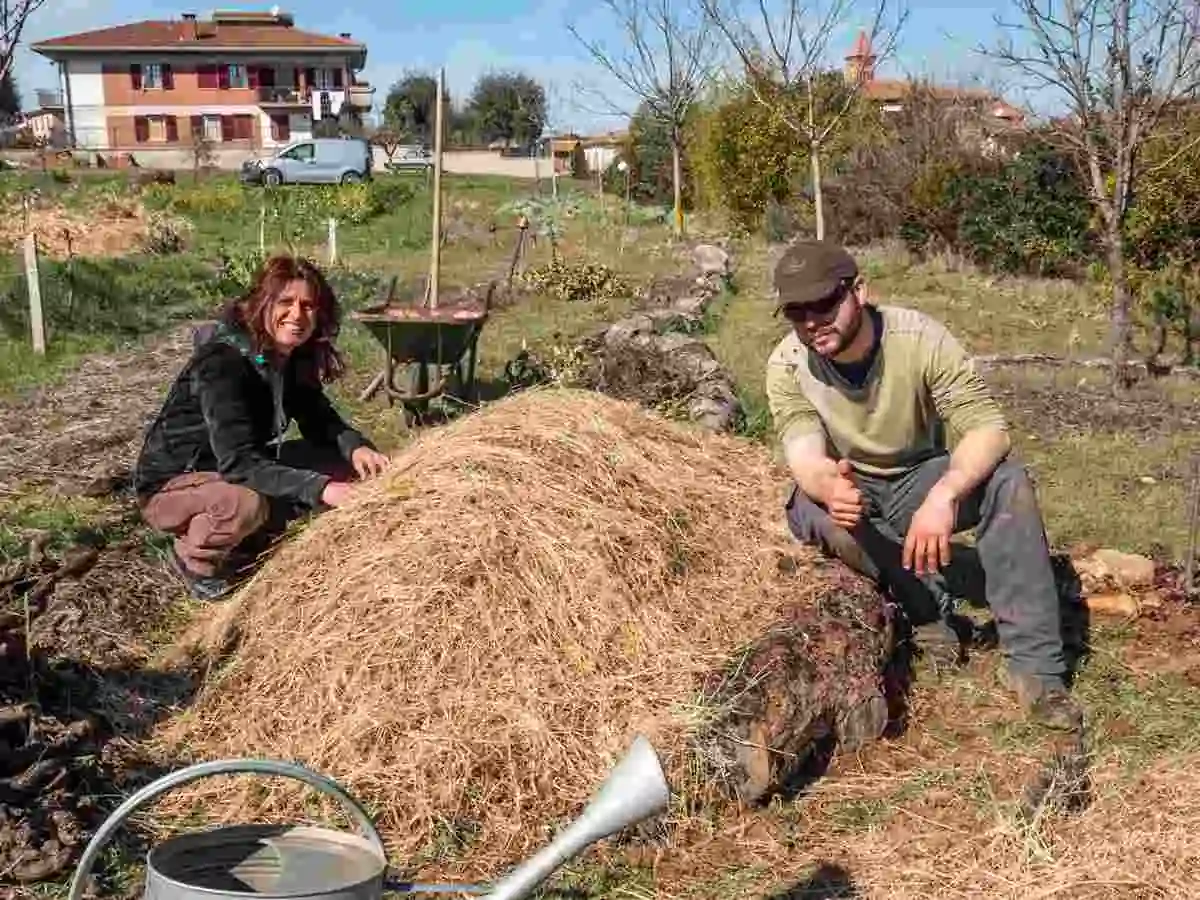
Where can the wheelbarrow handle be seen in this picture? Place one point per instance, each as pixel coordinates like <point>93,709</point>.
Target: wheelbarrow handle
<point>169,782</point>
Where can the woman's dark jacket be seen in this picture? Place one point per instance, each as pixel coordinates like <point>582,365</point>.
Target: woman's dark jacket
<point>227,412</point>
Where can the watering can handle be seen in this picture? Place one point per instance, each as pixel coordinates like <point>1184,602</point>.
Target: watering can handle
<point>156,789</point>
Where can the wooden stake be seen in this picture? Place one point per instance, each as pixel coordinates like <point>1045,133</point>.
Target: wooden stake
<point>1189,573</point>
<point>36,324</point>
<point>435,261</point>
<point>332,241</point>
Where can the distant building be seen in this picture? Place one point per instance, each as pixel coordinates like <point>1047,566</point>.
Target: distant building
<point>891,94</point>
<point>248,79</point>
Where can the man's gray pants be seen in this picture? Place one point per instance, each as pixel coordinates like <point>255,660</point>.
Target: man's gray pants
<point>1019,583</point>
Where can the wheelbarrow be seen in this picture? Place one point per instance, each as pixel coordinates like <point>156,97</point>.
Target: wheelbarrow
<point>435,345</point>
<point>294,862</point>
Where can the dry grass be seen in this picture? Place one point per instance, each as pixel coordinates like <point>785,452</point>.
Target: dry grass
<point>479,636</point>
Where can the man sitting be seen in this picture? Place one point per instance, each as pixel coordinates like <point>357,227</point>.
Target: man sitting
<point>860,396</point>
<point>215,471</point>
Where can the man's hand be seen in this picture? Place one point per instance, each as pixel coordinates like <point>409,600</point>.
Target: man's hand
<point>336,492</point>
<point>927,544</point>
<point>368,462</point>
<point>846,504</point>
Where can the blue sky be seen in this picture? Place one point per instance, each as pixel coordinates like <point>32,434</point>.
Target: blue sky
<point>470,37</point>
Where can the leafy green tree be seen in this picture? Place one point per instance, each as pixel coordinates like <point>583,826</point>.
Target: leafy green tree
<point>508,106</point>
<point>10,97</point>
<point>411,107</point>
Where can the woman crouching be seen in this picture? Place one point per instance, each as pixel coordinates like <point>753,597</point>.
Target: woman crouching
<point>215,471</point>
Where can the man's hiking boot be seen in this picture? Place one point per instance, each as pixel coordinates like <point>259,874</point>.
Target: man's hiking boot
<point>1046,701</point>
<point>206,588</point>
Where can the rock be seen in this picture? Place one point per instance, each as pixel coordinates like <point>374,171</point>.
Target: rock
<point>1105,566</point>
<point>1112,604</point>
<point>694,307</point>
<point>710,260</point>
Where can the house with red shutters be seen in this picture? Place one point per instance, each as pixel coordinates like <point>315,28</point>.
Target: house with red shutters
<point>235,79</point>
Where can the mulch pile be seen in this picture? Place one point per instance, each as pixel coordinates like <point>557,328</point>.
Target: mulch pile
<point>472,643</point>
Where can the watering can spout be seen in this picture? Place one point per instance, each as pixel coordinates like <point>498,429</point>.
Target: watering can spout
<point>634,791</point>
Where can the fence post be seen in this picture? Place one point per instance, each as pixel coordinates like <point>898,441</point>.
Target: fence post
<point>36,324</point>
<point>332,241</point>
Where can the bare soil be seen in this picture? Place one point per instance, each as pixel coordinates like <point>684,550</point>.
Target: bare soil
<point>82,434</point>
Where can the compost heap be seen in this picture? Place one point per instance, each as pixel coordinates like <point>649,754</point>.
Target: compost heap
<point>471,644</point>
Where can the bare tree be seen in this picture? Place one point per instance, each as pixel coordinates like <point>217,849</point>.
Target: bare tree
<point>666,58</point>
<point>13,16</point>
<point>1121,66</point>
<point>784,50</point>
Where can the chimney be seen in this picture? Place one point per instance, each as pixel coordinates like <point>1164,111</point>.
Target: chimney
<point>345,35</point>
<point>190,20</point>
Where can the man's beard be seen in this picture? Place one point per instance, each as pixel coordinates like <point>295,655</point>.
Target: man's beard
<point>846,338</point>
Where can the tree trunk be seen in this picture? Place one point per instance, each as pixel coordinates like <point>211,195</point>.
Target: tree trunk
<point>814,160</point>
<point>1120,313</point>
<point>677,179</point>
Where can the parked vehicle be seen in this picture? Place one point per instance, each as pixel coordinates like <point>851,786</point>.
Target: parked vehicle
<point>315,161</point>
<point>408,158</point>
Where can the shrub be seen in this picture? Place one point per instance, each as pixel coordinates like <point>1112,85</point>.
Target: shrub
<point>1032,215</point>
<point>746,158</point>
<point>575,282</point>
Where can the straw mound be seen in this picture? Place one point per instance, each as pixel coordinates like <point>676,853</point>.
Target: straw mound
<point>475,640</point>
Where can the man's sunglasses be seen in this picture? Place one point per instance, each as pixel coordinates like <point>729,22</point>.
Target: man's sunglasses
<point>819,309</point>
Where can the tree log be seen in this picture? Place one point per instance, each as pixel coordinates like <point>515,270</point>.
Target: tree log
<point>825,675</point>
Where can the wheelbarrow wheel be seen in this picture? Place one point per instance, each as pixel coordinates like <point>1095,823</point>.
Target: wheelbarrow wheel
<point>416,380</point>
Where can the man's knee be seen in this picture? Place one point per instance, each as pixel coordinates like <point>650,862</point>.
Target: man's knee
<point>1011,489</point>
<point>806,519</point>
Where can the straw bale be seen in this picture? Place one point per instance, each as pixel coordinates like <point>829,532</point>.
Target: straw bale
<point>474,641</point>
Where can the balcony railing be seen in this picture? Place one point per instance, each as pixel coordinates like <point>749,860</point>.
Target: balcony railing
<point>359,96</point>
<point>285,96</point>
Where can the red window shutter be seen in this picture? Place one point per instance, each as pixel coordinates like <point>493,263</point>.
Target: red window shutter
<point>311,75</point>
<point>206,77</point>
<point>168,77</point>
<point>135,76</point>
<point>226,128</point>
<point>281,128</point>
<point>252,78</point>
<point>296,77</point>
<point>337,79</point>
<point>172,130</point>
<point>223,77</point>
<point>244,127</point>
<point>141,129</point>
<point>197,128</point>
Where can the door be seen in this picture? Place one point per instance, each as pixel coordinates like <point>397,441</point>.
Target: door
<point>329,162</point>
<point>298,164</point>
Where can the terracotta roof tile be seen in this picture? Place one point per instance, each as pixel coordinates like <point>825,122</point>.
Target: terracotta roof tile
<point>181,36</point>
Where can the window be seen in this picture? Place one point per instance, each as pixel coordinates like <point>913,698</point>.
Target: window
<point>151,77</point>
<point>236,76</point>
<point>206,78</point>
<point>300,153</point>
<point>324,80</point>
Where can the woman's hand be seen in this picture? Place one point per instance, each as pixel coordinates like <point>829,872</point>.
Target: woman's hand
<point>368,462</point>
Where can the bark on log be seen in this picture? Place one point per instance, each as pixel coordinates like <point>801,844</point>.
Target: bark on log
<point>824,675</point>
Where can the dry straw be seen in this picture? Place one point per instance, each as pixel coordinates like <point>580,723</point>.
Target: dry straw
<point>479,636</point>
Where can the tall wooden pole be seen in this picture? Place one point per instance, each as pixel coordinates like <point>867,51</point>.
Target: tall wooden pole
<point>435,263</point>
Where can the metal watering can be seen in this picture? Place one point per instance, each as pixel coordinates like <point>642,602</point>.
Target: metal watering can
<point>302,862</point>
